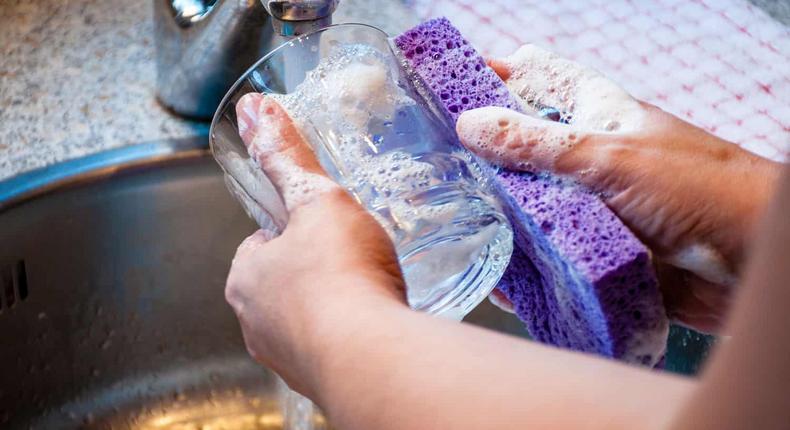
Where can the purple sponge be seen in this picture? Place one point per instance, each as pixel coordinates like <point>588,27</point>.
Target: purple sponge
<point>578,277</point>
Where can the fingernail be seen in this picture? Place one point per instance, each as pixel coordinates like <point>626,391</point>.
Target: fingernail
<point>247,116</point>
<point>500,300</point>
<point>244,125</point>
<point>266,235</point>
<point>500,67</point>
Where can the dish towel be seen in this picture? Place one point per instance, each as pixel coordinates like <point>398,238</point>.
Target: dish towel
<point>723,65</point>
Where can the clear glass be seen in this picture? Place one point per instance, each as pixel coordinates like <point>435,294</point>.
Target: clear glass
<point>377,137</point>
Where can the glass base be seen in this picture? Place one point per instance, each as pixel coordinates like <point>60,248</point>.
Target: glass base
<point>472,286</point>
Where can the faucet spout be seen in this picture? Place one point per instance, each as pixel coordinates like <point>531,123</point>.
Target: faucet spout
<point>203,46</point>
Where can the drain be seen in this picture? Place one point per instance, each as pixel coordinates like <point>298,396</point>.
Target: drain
<point>13,283</point>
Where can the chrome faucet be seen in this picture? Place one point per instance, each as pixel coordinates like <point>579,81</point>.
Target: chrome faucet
<point>203,46</point>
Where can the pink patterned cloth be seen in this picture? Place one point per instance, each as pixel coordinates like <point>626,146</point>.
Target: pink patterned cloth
<point>723,65</point>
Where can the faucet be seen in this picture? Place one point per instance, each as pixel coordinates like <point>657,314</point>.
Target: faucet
<point>203,46</point>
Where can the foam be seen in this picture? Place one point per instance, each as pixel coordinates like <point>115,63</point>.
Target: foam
<point>355,78</point>
<point>542,78</point>
<point>351,87</point>
<point>513,140</point>
<point>706,262</point>
<point>358,79</point>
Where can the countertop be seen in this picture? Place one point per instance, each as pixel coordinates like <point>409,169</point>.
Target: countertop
<point>78,77</point>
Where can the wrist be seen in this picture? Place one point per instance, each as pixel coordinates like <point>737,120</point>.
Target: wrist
<point>337,328</point>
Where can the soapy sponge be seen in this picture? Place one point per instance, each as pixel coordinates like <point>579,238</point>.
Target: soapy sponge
<point>578,277</point>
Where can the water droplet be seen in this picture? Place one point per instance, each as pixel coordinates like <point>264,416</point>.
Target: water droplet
<point>550,114</point>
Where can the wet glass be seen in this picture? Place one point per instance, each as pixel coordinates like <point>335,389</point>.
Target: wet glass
<point>373,133</point>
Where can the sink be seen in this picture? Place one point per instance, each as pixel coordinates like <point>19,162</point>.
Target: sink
<point>111,301</point>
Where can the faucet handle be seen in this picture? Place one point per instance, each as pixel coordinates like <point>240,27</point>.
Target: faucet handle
<point>300,10</point>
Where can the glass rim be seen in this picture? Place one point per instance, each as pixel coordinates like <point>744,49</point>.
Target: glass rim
<point>240,81</point>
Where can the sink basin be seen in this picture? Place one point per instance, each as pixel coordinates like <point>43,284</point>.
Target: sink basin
<point>112,270</point>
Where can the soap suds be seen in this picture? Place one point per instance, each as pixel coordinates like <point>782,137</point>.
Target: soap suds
<point>514,140</point>
<point>704,261</point>
<point>647,346</point>
<point>274,145</point>
<point>593,102</point>
<point>350,89</point>
<point>589,102</point>
<point>358,80</point>
<point>297,185</point>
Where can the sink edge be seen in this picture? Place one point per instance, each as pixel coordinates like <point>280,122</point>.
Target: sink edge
<point>28,185</point>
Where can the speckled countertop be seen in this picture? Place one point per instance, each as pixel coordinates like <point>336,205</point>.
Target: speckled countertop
<point>78,77</point>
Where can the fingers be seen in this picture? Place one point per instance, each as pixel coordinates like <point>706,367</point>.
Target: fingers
<point>706,262</point>
<point>514,140</point>
<point>500,67</point>
<point>500,300</point>
<point>274,141</point>
<point>247,250</point>
<point>542,78</point>
<point>521,142</point>
<point>693,301</point>
<point>243,268</point>
<point>247,116</point>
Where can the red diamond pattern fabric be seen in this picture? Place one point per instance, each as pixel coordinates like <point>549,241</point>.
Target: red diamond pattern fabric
<point>723,65</point>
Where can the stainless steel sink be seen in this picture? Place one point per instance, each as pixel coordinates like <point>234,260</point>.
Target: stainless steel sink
<point>111,302</point>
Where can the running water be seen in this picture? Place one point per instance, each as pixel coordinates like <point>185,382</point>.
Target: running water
<point>299,413</point>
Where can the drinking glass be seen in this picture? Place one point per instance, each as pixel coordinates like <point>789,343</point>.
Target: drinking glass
<point>372,132</point>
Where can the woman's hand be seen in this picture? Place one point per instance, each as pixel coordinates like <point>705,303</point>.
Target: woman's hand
<point>323,306</point>
<point>332,258</point>
<point>692,197</point>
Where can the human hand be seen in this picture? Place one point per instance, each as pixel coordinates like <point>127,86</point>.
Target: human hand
<point>331,259</point>
<point>691,197</point>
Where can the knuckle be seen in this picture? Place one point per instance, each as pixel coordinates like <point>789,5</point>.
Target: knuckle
<point>251,348</point>
<point>612,147</point>
<point>620,151</point>
<point>231,295</point>
<point>337,205</point>
<point>339,196</point>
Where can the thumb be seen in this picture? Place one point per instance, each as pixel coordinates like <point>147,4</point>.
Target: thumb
<point>520,142</point>
<point>275,143</point>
